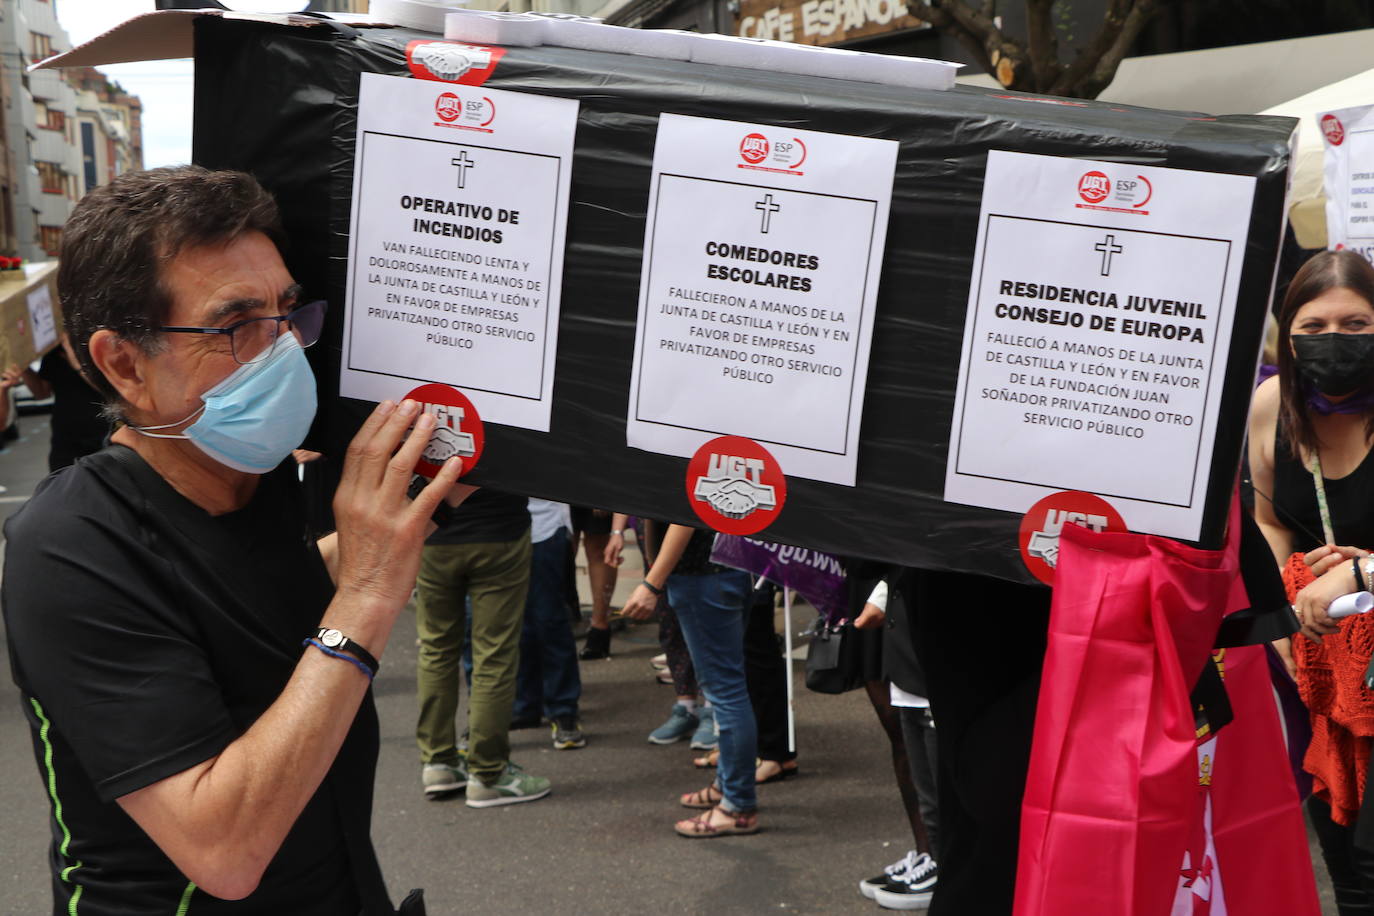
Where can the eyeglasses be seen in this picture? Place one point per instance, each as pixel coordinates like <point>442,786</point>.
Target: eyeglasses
<point>252,338</point>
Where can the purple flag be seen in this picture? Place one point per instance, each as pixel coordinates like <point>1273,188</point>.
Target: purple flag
<point>817,577</point>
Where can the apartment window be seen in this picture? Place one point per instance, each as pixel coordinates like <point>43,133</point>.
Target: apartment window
<point>50,237</point>
<point>51,178</point>
<point>48,118</point>
<point>40,45</point>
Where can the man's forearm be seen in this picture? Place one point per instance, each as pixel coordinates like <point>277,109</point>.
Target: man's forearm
<point>223,820</point>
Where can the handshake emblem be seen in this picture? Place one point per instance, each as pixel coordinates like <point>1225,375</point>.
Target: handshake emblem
<point>734,486</point>
<point>448,439</point>
<point>1044,544</point>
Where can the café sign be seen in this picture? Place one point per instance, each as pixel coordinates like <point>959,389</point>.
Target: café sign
<point>824,22</point>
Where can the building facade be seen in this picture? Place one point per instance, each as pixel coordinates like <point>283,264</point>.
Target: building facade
<point>64,131</point>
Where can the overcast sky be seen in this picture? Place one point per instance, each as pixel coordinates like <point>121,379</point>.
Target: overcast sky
<point>164,86</point>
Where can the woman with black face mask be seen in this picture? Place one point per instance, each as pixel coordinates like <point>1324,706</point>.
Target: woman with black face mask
<point>1311,431</point>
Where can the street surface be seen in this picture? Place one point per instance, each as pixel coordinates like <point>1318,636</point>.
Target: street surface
<point>603,841</point>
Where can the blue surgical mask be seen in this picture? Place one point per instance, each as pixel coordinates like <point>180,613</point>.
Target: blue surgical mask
<point>252,419</point>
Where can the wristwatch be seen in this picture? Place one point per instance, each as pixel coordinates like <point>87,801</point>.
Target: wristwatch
<point>335,640</point>
<point>617,532</point>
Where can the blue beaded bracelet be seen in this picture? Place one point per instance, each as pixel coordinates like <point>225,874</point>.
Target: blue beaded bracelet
<point>340,655</point>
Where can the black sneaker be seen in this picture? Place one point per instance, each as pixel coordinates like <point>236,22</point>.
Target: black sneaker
<point>912,889</point>
<point>598,645</point>
<point>903,865</point>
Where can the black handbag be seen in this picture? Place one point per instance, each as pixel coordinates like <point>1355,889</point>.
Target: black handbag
<point>834,662</point>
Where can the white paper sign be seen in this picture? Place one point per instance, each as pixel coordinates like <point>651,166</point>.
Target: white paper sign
<point>460,204</point>
<point>1348,177</point>
<point>1095,348</point>
<point>40,318</point>
<point>761,263</point>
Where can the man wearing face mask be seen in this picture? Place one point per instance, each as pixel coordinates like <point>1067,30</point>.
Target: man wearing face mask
<point>196,672</point>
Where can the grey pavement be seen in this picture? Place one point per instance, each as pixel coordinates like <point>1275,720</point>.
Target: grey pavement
<point>603,841</point>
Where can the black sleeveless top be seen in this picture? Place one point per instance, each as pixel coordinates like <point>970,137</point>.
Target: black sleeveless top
<point>1350,499</point>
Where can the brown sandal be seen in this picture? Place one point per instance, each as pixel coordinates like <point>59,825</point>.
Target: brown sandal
<point>705,798</point>
<point>707,761</point>
<point>700,827</point>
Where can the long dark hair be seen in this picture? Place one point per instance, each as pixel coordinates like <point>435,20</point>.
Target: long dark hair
<point>1325,271</point>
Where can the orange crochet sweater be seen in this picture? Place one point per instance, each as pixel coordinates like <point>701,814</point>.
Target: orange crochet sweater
<point>1331,681</point>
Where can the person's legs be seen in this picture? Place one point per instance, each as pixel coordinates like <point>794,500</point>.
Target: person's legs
<point>766,674</point>
<point>711,611</point>
<point>878,696</point>
<point>1352,878</point>
<point>498,584</point>
<point>600,577</point>
<point>440,621</point>
<point>561,685</point>
<point>918,736</point>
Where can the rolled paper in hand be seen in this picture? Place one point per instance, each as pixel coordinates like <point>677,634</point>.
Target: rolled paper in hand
<point>1355,603</point>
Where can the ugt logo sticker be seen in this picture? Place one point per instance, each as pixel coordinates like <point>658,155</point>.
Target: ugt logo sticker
<point>1128,194</point>
<point>1042,525</point>
<point>779,154</point>
<point>1094,187</point>
<point>470,112</point>
<point>735,485</point>
<point>457,428</point>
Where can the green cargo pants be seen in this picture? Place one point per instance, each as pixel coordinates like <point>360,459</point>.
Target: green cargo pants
<point>496,578</point>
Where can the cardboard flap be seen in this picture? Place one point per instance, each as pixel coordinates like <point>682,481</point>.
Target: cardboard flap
<point>165,35</point>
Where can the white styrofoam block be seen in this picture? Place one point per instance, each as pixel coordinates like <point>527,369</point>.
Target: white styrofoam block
<point>512,30</point>
<point>810,60</point>
<point>425,15</point>
<point>593,35</point>
<point>909,72</point>
<point>667,44</point>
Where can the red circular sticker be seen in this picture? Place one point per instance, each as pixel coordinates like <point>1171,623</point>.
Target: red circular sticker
<point>1041,526</point>
<point>457,428</point>
<point>735,485</point>
<point>1333,129</point>
<point>1094,187</point>
<point>753,149</point>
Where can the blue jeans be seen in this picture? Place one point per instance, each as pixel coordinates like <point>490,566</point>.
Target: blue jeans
<point>549,682</point>
<point>711,610</point>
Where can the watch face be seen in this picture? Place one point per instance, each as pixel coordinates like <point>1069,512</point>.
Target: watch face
<point>331,638</point>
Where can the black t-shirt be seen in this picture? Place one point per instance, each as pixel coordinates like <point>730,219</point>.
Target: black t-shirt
<point>486,517</point>
<point>78,428</point>
<point>696,556</point>
<point>145,635</point>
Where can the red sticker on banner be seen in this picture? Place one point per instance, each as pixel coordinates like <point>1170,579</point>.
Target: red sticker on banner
<point>453,61</point>
<point>457,428</point>
<point>735,486</point>
<point>1041,526</point>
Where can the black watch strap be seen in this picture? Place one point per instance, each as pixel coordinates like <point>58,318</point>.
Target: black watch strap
<point>333,639</point>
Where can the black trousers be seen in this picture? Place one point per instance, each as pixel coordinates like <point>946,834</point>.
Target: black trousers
<point>981,642</point>
<point>765,673</point>
<point>1350,867</point>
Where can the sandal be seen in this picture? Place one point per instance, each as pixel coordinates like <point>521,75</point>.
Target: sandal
<point>707,761</point>
<point>777,771</point>
<point>701,827</point>
<point>705,798</point>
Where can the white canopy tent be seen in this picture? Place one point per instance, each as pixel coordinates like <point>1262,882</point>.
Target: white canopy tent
<point>1307,202</point>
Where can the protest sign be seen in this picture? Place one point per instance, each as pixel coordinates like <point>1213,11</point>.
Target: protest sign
<point>1081,355</point>
<point>751,322</point>
<point>1348,177</point>
<point>460,200</point>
